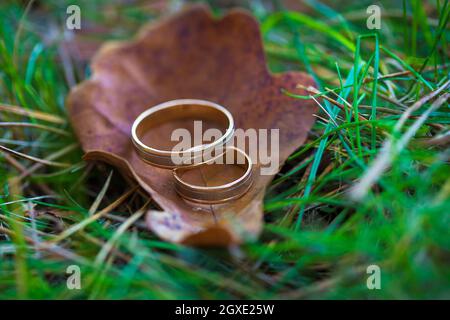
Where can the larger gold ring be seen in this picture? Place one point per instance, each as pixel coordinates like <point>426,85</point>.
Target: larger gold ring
<point>151,131</point>
<point>204,183</point>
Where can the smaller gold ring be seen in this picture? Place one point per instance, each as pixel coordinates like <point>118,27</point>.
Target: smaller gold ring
<point>169,115</point>
<point>217,193</point>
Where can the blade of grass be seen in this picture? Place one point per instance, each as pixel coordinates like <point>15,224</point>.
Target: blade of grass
<point>309,22</point>
<point>32,113</point>
<point>100,195</point>
<point>102,255</point>
<point>31,158</point>
<point>81,225</point>
<point>391,149</point>
<point>34,125</point>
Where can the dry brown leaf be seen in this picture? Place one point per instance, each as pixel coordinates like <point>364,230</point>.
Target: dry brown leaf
<point>190,55</point>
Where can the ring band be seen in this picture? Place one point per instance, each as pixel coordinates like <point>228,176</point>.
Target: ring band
<point>218,193</point>
<point>168,116</point>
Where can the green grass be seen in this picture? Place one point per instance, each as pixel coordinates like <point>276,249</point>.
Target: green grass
<point>321,231</point>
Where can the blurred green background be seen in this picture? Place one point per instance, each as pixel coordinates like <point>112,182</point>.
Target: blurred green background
<point>317,243</point>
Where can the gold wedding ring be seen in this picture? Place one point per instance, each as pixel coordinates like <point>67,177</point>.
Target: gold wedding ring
<point>152,130</point>
<point>206,183</point>
<point>208,172</point>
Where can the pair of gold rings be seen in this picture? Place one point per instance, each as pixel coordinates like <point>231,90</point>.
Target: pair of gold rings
<point>201,171</point>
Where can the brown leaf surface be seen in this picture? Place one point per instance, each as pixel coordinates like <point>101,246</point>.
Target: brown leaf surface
<point>190,55</point>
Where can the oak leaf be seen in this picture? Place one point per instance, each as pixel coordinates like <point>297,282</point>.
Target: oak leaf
<point>189,55</point>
